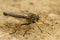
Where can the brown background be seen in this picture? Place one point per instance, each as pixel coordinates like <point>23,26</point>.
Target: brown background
<point>49,22</point>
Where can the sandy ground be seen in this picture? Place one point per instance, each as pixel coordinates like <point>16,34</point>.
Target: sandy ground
<point>47,28</point>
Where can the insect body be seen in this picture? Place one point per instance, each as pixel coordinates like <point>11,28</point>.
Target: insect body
<point>31,18</point>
